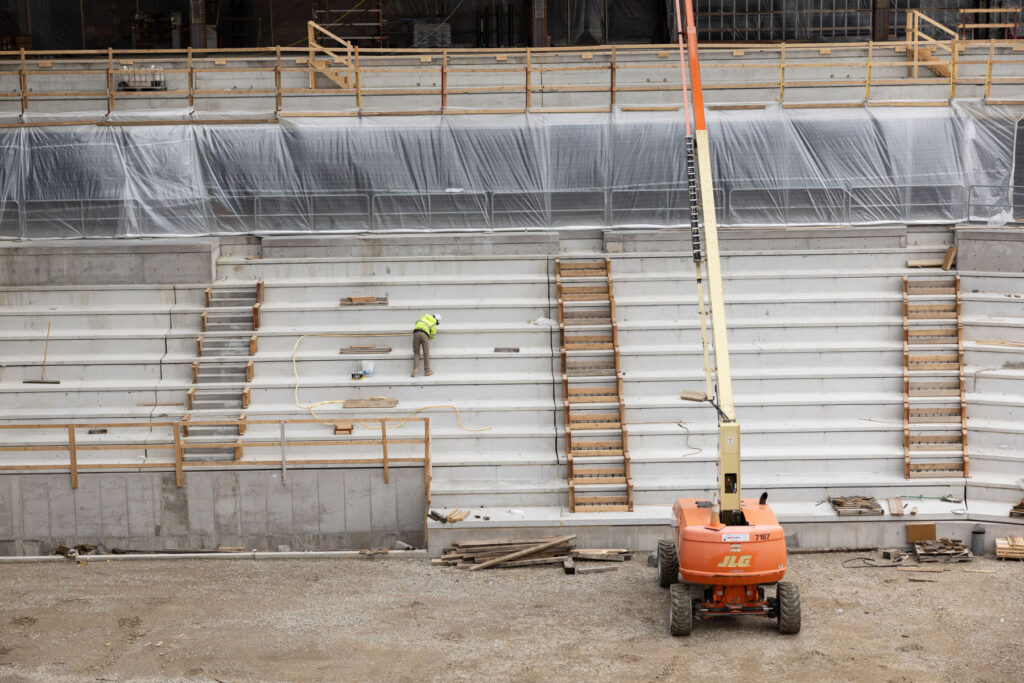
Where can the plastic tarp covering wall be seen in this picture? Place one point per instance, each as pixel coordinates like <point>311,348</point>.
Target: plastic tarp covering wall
<point>537,171</point>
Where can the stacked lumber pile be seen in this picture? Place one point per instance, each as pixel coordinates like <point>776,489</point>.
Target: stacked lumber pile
<point>856,505</point>
<point>1018,509</point>
<point>1010,548</point>
<point>526,552</point>
<point>942,550</point>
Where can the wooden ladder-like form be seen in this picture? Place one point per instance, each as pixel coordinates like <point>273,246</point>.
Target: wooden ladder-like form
<point>934,409</point>
<point>596,446</point>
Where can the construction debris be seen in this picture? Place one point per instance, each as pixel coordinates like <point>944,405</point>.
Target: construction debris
<point>520,552</point>
<point>1018,509</point>
<point>456,516</point>
<point>942,550</point>
<point>363,300</point>
<point>1010,548</point>
<point>856,505</point>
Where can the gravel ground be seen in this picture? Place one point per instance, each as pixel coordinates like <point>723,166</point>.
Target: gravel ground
<point>403,620</point>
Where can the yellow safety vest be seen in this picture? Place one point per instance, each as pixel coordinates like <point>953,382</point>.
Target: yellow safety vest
<point>428,324</point>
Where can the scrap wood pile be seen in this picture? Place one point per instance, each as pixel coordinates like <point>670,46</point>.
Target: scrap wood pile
<point>856,505</point>
<point>942,550</point>
<point>1010,548</point>
<point>518,552</point>
<point>1018,509</point>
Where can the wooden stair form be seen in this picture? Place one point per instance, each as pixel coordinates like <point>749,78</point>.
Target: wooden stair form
<point>934,405</point>
<point>596,444</point>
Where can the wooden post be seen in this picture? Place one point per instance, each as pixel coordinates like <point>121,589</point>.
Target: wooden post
<point>312,55</point>
<point>110,80</point>
<point>277,80</point>
<point>46,352</point>
<point>988,68</point>
<point>284,458</point>
<point>444,94</point>
<point>952,68</point>
<point>191,80</point>
<point>73,456</point>
<point>179,475</point>
<point>23,83</point>
<point>384,446</point>
<point>917,24</point>
<point>867,78</point>
<point>611,79</point>
<point>426,474</point>
<point>782,73</point>
<point>528,74</point>
<point>359,82</point>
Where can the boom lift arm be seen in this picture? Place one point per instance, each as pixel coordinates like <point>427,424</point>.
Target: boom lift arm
<point>697,150</point>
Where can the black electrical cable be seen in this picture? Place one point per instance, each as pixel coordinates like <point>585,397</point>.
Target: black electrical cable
<point>870,563</point>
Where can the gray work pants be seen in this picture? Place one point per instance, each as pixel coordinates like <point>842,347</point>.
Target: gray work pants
<point>420,341</point>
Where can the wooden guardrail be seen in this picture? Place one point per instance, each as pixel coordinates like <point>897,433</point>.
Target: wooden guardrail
<point>175,444</point>
<point>519,74</point>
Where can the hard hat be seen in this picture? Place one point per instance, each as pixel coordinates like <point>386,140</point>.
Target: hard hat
<point>437,317</point>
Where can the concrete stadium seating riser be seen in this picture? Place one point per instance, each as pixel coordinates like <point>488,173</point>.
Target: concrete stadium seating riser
<point>64,320</point>
<point>748,358</point>
<point>777,331</point>
<point>1003,330</point>
<point>996,305</point>
<point>428,268</point>
<point>798,285</point>
<point>879,381</point>
<point>831,406</point>
<point>395,365</point>
<point>632,309</point>
<point>1005,382</point>
<point>478,387</point>
<point>422,291</point>
<point>455,313</point>
<point>73,346</point>
<point>997,407</point>
<point>452,337</point>
<point>105,297</point>
<point>784,262</point>
<point>93,395</point>
<point>755,436</point>
<point>997,283</point>
<point>978,356</point>
<point>96,372</point>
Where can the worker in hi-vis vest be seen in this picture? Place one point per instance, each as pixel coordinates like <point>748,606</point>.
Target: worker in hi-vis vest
<point>422,333</point>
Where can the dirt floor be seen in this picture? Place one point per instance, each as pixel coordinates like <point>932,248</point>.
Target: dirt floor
<point>403,620</point>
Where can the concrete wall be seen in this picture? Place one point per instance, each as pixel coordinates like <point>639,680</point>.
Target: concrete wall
<point>999,251</point>
<point>108,262</point>
<point>321,509</point>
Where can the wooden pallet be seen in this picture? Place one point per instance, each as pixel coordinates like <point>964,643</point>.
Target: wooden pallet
<point>1018,509</point>
<point>855,505</point>
<point>942,550</point>
<point>1010,548</point>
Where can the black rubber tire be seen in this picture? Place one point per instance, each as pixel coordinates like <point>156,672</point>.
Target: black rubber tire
<point>668,564</point>
<point>789,608</point>
<point>680,610</point>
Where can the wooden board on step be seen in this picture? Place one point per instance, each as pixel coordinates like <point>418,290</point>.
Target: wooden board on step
<point>942,550</point>
<point>856,505</point>
<point>363,300</point>
<point>1018,509</point>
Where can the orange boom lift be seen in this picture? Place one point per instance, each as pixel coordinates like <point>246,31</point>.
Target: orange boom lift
<point>726,551</point>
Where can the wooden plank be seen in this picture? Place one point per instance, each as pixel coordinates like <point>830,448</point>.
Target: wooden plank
<point>896,507</point>
<point>595,570</point>
<point>947,262</point>
<point>375,402</point>
<point>522,553</point>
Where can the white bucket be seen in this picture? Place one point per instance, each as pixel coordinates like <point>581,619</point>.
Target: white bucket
<point>367,367</point>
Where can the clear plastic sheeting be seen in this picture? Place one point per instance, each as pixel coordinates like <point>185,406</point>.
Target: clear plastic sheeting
<point>772,167</point>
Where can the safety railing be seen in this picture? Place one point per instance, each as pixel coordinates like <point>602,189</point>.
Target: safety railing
<point>1002,202</point>
<point>975,21</point>
<point>373,81</point>
<point>151,438</point>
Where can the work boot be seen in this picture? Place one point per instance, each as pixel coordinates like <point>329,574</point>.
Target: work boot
<point>415,369</point>
<point>428,373</point>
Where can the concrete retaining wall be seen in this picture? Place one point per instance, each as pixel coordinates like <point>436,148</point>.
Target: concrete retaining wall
<point>109,262</point>
<point>1000,251</point>
<point>321,509</point>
